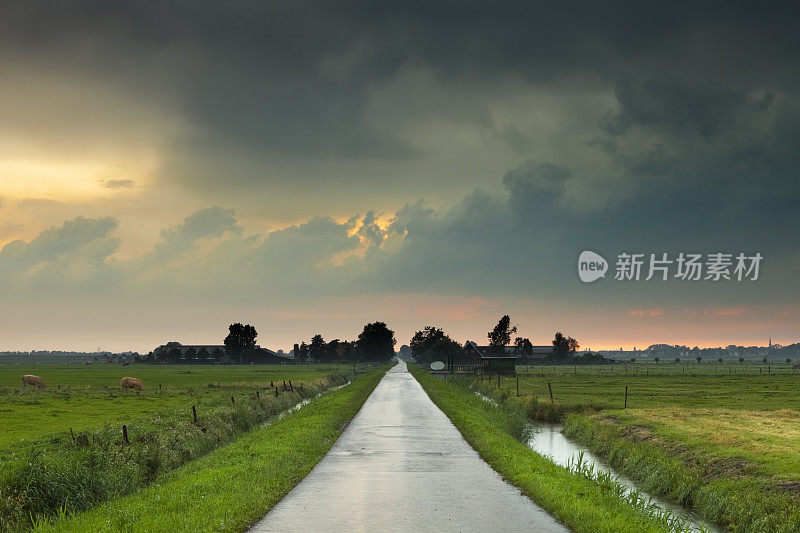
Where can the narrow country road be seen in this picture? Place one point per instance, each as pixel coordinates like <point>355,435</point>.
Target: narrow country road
<point>401,465</point>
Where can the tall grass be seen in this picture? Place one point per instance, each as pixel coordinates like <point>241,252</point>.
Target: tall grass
<point>609,483</point>
<point>675,470</point>
<point>81,472</point>
<point>740,504</point>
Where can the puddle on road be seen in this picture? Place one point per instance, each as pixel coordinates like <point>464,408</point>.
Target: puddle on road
<point>549,441</point>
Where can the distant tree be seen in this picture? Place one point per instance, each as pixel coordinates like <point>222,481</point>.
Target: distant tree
<point>240,339</point>
<point>741,360</point>
<point>190,354</point>
<point>442,348</point>
<point>423,341</point>
<point>657,359</point>
<point>788,360</point>
<point>699,359</point>
<point>333,350</point>
<point>316,350</point>
<point>633,359</point>
<point>573,344</point>
<point>302,353</point>
<point>405,352</point>
<point>349,351</point>
<point>677,359</point>
<point>217,355</point>
<point>500,336</point>
<point>563,346</point>
<point>523,348</point>
<point>174,355</point>
<point>376,342</point>
<point>202,354</point>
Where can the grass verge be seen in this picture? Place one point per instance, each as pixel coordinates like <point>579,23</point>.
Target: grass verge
<point>71,473</point>
<point>722,489</point>
<point>232,487</point>
<point>494,432</point>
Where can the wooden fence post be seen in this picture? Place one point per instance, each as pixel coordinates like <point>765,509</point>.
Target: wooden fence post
<point>498,381</point>
<point>194,414</point>
<point>233,402</point>
<point>626,397</point>
<point>125,433</point>
<point>517,385</point>
<point>258,395</point>
<point>550,389</point>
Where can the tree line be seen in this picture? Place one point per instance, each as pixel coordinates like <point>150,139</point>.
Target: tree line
<point>375,343</point>
<point>433,344</point>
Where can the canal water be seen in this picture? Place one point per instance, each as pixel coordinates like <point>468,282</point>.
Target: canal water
<point>549,441</point>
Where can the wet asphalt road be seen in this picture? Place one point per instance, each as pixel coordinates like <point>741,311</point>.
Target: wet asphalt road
<point>401,465</point>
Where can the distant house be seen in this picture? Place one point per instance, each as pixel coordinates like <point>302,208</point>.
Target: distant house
<point>168,351</point>
<point>540,352</point>
<point>474,358</point>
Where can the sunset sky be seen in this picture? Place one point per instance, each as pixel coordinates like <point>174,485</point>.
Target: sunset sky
<point>167,168</point>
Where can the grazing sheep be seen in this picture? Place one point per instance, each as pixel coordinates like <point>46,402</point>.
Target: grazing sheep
<point>36,381</point>
<point>132,383</point>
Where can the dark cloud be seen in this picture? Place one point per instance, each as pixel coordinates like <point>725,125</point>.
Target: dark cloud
<point>676,128</point>
<point>298,77</point>
<point>522,239</point>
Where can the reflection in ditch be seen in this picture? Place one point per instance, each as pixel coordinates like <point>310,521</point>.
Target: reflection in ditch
<point>548,440</point>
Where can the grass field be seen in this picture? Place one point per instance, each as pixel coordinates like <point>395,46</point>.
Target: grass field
<point>764,443</point>
<point>90,396</point>
<point>230,488</point>
<point>722,439</point>
<point>64,448</point>
<point>661,385</point>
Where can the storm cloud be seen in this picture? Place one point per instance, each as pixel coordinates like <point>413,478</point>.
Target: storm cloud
<point>436,149</point>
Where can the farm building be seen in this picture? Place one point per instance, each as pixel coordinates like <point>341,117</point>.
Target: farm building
<point>203,353</point>
<point>474,358</point>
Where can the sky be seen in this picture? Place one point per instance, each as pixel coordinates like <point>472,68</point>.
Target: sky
<point>167,168</point>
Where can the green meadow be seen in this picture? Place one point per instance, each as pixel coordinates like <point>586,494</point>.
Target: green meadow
<point>731,386</point>
<point>63,448</point>
<point>722,439</point>
<point>86,396</point>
